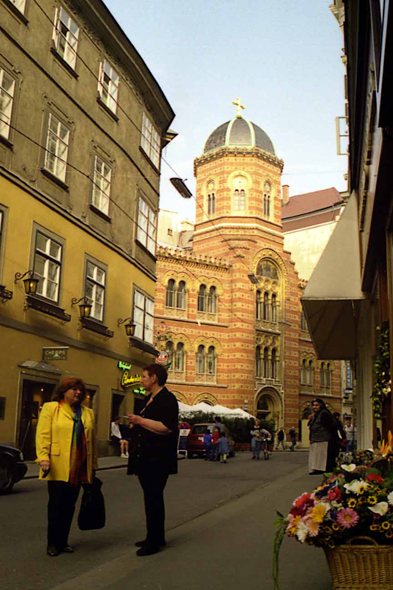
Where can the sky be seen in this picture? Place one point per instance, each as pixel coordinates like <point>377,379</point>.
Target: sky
<point>283,59</point>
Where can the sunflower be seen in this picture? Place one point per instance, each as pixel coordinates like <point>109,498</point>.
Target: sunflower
<point>372,500</point>
<point>352,503</point>
<point>335,526</point>
<point>374,527</point>
<point>389,534</point>
<point>385,525</point>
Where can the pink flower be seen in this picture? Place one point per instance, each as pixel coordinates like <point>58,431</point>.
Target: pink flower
<point>312,526</point>
<point>347,518</point>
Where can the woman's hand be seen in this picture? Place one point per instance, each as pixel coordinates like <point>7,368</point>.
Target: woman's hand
<point>135,419</point>
<point>45,465</point>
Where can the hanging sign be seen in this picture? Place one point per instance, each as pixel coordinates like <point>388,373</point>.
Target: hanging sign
<point>162,357</point>
<point>122,365</point>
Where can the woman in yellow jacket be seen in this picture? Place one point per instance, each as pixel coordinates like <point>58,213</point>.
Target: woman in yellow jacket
<point>66,453</point>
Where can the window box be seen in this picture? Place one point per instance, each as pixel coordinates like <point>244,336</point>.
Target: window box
<point>47,308</point>
<point>96,327</point>
<point>145,346</point>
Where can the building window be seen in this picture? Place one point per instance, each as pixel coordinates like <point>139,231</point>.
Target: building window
<point>310,376</point>
<point>239,200</point>
<point>200,360</point>
<point>169,351</point>
<point>258,305</point>
<point>211,361</point>
<point>143,317</point>
<point>212,300</point>
<point>267,269</point>
<point>179,357</point>
<point>266,306</point>
<point>147,221</point>
<point>57,148</point>
<point>101,185</point>
<point>266,362</point>
<point>258,363</point>
<point>304,373</point>
<point>170,294</point>
<point>322,374</point>
<point>108,86</point>
<point>65,37</point>
<point>95,290</point>
<point>202,298</point>
<point>266,199</point>
<point>47,266</point>
<point>327,376</point>
<point>211,203</point>
<point>274,308</point>
<point>181,295</point>
<point>274,363</point>
<point>150,141</point>
<point>20,5</point>
<point>7,89</point>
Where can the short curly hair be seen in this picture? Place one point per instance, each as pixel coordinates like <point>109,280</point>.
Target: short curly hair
<point>69,383</point>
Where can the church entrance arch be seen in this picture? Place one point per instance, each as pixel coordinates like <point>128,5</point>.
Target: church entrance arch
<point>207,398</point>
<point>180,397</point>
<point>268,405</point>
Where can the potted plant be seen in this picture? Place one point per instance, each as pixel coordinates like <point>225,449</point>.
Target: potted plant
<point>350,515</point>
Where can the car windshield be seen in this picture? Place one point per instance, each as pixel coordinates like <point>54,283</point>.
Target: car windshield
<point>201,428</point>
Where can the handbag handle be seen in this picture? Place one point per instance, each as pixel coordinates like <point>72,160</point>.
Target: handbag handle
<point>369,540</point>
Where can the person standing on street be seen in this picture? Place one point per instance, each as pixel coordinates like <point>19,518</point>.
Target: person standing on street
<point>67,455</point>
<point>256,440</point>
<point>218,424</point>
<point>223,447</point>
<point>292,434</point>
<point>154,454</point>
<point>323,439</point>
<point>280,439</point>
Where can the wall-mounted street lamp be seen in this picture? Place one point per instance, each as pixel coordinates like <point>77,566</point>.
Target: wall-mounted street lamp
<point>181,188</point>
<point>31,283</point>
<point>84,307</point>
<point>130,327</point>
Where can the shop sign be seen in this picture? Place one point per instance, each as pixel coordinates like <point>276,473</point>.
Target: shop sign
<point>123,366</point>
<point>52,353</point>
<point>162,357</point>
<point>127,379</point>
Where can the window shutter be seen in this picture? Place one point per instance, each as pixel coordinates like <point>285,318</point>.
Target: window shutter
<point>55,33</point>
<point>100,74</point>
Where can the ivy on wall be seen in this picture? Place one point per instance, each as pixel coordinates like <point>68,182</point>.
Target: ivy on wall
<point>382,383</point>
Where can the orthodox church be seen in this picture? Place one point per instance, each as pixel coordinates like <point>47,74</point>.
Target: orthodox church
<point>228,317</point>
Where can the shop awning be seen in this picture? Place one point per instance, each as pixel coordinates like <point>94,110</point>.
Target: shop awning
<point>330,297</point>
<point>41,366</point>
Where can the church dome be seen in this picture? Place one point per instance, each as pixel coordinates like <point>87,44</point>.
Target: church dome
<point>239,133</point>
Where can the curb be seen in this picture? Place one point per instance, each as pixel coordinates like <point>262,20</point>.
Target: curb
<point>27,476</point>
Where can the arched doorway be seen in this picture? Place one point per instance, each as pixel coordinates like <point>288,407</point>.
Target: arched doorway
<point>268,405</point>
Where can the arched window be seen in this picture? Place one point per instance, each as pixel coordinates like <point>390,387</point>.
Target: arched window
<point>266,362</point>
<point>181,295</point>
<point>274,364</point>
<point>266,199</point>
<point>258,305</point>
<point>239,200</point>
<point>322,375</point>
<point>212,300</point>
<point>202,298</point>
<point>169,351</point>
<point>211,203</point>
<point>170,294</point>
<point>304,373</point>
<point>179,357</point>
<point>258,363</point>
<point>310,373</point>
<point>274,308</point>
<point>211,361</point>
<point>200,360</point>
<point>327,376</point>
<point>267,269</point>
<point>266,306</point>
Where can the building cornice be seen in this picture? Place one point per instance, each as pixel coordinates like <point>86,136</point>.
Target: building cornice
<point>188,256</point>
<point>239,152</point>
<point>239,227</point>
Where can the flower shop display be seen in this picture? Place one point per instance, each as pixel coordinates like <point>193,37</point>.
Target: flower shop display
<point>381,368</point>
<point>350,515</point>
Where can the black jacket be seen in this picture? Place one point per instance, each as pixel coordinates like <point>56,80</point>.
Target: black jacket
<point>322,427</point>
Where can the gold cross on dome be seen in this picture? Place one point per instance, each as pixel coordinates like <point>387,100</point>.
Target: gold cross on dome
<point>239,106</point>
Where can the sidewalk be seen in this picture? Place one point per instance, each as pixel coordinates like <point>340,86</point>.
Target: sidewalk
<point>103,463</point>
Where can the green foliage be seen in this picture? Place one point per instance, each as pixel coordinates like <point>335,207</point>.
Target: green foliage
<point>382,384</point>
<point>239,428</point>
<point>281,525</point>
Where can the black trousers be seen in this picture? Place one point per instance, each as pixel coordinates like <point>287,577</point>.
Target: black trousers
<point>153,482</point>
<point>61,508</point>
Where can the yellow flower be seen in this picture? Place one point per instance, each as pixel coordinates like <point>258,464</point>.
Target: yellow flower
<point>389,534</point>
<point>362,489</point>
<point>331,545</point>
<point>372,500</point>
<point>352,503</point>
<point>327,530</point>
<point>374,527</point>
<point>385,525</point>
<point>335,526</point>
<point>318,513</point>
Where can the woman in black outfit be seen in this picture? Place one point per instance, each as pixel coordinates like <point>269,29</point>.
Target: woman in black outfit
<point>323,439</point>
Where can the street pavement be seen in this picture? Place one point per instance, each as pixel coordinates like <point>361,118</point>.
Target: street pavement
<point>220,532</point>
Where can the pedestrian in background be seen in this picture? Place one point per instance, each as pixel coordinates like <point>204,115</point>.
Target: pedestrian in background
<point>349,435</point>
<point>223,447</point>
<point>256,440</point>
<point>154,453</point>
<point>218,424</point>
<point>323,439</point>
<point>292,435</point>
<point>280,439</point>
<point>214,448</point>
<point>207,443</point>
<point>67,455</point>
<point>117,438</point>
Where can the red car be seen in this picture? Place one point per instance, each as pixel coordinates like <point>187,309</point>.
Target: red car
<point>195,444</point>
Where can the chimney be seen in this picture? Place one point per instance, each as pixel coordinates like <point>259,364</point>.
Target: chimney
<point>285,194</point>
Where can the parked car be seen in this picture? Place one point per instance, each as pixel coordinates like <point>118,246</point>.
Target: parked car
<point>12,467</point>
<point>195,440</point>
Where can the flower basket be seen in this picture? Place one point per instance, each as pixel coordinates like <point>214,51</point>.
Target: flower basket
<point>361,567</point>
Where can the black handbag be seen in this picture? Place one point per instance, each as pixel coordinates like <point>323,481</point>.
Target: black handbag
<point>92,510</point>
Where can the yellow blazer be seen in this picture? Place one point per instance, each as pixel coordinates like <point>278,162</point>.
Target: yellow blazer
<point>54,437</point>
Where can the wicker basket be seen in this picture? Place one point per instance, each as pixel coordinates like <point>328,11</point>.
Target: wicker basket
<point>361,567</point>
